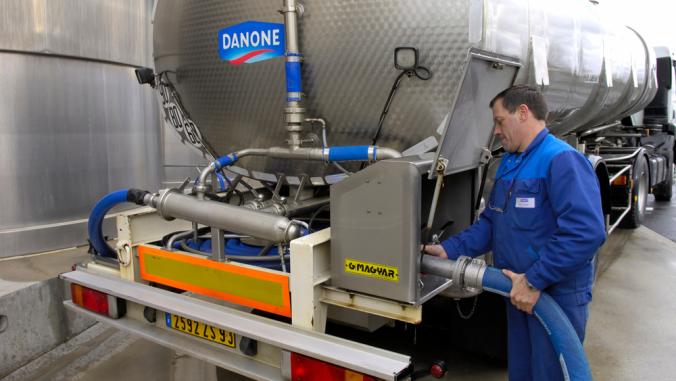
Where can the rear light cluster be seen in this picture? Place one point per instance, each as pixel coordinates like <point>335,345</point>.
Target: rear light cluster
<point>97,301</point>
<point>305,368</point>
<point>621,180</point>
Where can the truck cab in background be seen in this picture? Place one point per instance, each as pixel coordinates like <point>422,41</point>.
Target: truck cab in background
<point>637,152</point>
<point>661,113</point>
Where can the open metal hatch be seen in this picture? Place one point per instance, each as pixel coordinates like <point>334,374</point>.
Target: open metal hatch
<point>469,126</point>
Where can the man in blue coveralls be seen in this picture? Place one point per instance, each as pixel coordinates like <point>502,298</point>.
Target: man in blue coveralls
<point>543,222</point>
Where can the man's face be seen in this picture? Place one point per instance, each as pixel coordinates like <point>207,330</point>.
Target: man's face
<point>507,127</point>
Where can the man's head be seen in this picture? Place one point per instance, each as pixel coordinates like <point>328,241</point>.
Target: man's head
<point>519,114</point>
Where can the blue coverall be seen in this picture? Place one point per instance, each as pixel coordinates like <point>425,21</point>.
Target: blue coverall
<point>544,218</point>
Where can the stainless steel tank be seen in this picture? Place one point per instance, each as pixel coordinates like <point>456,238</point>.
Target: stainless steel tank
<point>591,70</point>
<point>74,123</point>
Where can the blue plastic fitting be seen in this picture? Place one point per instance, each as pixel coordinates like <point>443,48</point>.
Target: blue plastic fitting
<point>562,335</point>
<point>293,81</point>
<point>348,153</point>
<point>225,161</point>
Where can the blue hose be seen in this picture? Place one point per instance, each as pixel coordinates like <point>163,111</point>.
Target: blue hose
<point>221,181</point>
<point>348,153</point>
<point>225,161</point>
<point>95,223</point>
<point>294,85</point>
<point>562,335</point>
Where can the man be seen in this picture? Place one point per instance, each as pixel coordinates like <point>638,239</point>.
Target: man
<point>543,222</point>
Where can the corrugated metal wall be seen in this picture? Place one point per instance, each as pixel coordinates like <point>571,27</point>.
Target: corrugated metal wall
<point>74,123</point>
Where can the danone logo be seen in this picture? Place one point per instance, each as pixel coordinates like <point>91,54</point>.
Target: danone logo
<point>251,41</point>
<point>372,270</point>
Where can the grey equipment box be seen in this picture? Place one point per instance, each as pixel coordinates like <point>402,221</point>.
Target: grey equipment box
<point>375,230</point>
<point>375,213</point>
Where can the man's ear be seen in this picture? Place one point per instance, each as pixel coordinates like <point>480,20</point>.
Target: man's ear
<point>524,111</point>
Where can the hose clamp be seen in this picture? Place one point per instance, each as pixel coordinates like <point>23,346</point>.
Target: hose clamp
<point>161,202</point>
<point>294,57</point>
<point>371,153</point>
<point>468,273</point>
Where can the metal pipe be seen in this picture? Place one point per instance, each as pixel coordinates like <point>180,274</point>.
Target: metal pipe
<point>618,174</point>
<point>195,231</point>
<point>314,154</point>
<point>464,273</point>
<point>172,204</point>
<point>618,221</point>
<point>599,129</point>
<point>281,256</point>
<point>437,266</point>
<point>217,245</point>
<point>435,199</point>
<point>294,113</point>
<point>185,247</point>
<point>626,157</point>
<point>384,153</point>
<point>294,209</point>
<point>325,143</point>
<point>177,236</point>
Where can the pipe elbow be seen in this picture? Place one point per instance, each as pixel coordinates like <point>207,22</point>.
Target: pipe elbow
<point>384,153</point>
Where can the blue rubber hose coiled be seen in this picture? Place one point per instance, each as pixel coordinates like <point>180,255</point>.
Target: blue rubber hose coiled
<point>95,223</point>
<point>562,335</point>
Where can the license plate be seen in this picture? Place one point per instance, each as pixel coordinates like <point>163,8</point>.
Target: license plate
<point>199,329</point>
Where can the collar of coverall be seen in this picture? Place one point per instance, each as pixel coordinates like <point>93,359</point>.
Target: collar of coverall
<point>536,142</point>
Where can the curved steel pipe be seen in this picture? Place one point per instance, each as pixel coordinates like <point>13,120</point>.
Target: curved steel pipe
<point>292,209</point>
<point>172,204</point>
<point>314,154</point>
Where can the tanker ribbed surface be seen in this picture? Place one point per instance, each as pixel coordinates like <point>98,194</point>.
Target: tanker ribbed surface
<point>590,70</point>
<point>347,73</point>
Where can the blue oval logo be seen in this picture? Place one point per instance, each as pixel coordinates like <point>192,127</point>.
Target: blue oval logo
<point>251,41</point>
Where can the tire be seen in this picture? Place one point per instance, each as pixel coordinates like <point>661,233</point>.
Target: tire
<point>664,190</point>
<point>639,195</point>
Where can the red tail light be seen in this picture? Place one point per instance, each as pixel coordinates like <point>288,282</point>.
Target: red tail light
<point>622,180</point>
<point>97,301</point>
<point>305,368</point>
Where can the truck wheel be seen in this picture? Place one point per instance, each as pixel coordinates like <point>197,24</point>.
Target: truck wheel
<point>639,195</point>
<point>663,191</point>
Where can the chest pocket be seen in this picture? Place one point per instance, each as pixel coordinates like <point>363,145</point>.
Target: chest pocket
<point>526,204</point>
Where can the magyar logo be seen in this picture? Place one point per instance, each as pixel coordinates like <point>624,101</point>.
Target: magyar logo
<point>373,270</point>
<point>251,41</point>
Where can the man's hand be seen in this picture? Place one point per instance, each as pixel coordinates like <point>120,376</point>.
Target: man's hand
<point>436,250</point>
<point>522,296</point>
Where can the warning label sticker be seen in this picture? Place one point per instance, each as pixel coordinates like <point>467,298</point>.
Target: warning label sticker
<point>372,270</point>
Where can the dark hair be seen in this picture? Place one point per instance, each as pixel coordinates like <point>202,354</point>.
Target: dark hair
<point>518,95</point>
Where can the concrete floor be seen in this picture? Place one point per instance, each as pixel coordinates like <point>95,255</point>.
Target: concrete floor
<point>661,217</point>
<point>630,335</point>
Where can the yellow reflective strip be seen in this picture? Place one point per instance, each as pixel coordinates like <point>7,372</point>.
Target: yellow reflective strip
<point>215,279</point>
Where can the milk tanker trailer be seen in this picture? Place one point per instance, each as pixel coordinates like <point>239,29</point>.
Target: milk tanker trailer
<point>344,134</point>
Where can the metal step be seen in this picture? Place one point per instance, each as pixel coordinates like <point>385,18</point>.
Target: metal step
<point>369,360</point>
